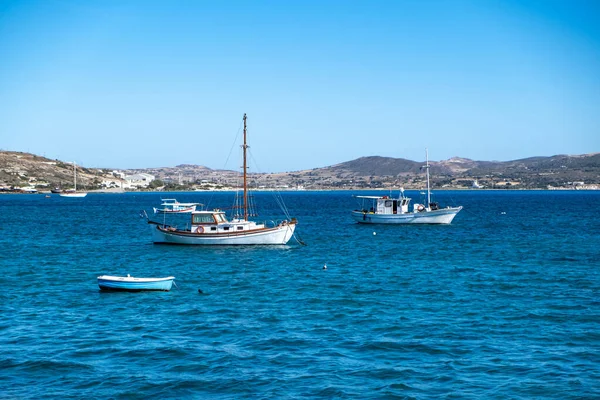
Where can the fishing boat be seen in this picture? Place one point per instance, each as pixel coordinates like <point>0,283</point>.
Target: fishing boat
<point>172,206</point>
<point>73,192</point>
<point>388,210</point>
<point>130,284</point>
<point>211,227</point>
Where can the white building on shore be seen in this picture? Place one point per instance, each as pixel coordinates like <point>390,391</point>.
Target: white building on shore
<point>138,181</point>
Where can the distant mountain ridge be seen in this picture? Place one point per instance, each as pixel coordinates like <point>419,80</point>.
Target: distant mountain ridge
<point>376,165</point>
<point>19,169</point>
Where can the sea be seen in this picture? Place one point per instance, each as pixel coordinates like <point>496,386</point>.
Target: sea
<point>504,303</point>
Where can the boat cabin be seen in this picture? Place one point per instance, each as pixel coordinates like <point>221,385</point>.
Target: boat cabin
<point>387,205</point>
<point>215,222</point>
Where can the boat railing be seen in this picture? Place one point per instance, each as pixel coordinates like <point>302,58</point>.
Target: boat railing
<point>275,223</point>
<point>283,222</point>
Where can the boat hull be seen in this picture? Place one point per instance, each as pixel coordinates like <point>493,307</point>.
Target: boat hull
<point>179,211</point>
<point>131,284</point>
<point>442,216</point>
<point>73,195</point>
<point>271,236</point>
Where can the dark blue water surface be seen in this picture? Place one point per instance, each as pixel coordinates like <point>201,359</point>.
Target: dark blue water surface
<point>503,303</point>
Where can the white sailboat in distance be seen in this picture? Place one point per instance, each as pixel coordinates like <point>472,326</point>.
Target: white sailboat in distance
<point>73,192</point>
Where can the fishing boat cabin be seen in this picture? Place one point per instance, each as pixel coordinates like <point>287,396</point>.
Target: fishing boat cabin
<point>387,205</point>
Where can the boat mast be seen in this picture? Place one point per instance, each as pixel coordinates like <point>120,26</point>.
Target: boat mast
<point>427,168</point>
<point>245,146</point>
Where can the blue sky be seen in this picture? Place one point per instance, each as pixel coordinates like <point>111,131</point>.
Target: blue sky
<point>132,84</point>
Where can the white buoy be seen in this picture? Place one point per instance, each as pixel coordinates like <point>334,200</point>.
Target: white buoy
<point>325,266</point>
<point>374,233</point>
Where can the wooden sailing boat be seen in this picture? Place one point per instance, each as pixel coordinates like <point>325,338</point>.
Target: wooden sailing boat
<point>213,228</point>
<point>73,192</point>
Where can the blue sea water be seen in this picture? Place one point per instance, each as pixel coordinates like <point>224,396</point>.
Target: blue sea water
<point>503,303</point>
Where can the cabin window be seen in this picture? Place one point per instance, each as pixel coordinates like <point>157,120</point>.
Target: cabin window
<point>213,228</point>
<point>226,228</point>
<point>220,218</point>
<point>388,203</point>
<point>203,219</point>
<point>240,228</point>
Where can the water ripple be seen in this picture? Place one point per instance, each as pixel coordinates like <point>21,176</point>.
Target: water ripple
<point>490,307</point>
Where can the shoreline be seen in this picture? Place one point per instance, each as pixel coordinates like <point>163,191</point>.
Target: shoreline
<point>120,191</point>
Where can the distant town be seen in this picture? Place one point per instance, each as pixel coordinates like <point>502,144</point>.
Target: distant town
<point>29,173</point>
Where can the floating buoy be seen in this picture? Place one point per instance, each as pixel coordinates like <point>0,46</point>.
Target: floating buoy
<point>325,266</point>
<point>374,233</point>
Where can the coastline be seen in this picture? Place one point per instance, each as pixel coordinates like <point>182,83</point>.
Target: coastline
<point>333,189</point>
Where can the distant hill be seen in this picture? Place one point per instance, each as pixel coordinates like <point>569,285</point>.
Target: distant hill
<point>556,170</point>
<point>381,166</point>
<point>375,165</point>
<point>22,169</point>
<point>533,172</point>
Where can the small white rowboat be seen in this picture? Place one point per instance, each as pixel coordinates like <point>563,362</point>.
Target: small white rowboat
<point>131,284</point>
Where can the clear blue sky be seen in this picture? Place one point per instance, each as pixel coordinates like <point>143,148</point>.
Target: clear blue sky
<point>131,84</point>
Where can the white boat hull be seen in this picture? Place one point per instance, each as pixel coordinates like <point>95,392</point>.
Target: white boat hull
<point>73,194</point>
<point>132,284</point>
<point>441,216</point>
<point>179,211</point>
<point>276,235</point>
